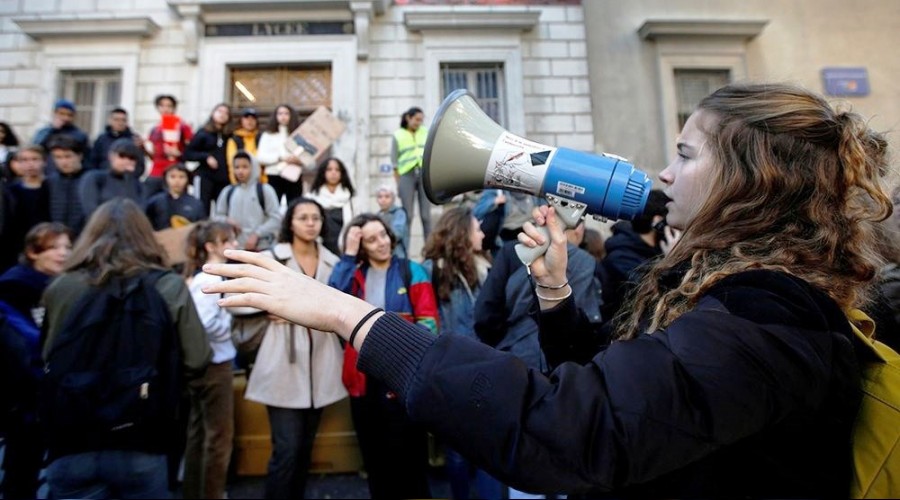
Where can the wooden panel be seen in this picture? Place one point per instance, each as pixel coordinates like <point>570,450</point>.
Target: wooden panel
<point>304,88</point>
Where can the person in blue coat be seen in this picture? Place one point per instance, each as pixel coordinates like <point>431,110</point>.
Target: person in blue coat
<point>62,125</point>
<point>735,372</point>
<point>47,246</point>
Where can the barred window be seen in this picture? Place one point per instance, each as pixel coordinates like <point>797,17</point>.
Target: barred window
<point>692,85</point>
<point>95,93</point>
<point>484,81</point>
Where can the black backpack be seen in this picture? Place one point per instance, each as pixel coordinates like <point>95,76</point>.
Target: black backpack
<point>112,376</point>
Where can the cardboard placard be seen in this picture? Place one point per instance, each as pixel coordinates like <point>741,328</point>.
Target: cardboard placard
<point>314,136</point>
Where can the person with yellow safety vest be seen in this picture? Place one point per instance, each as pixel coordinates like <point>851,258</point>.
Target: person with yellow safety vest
<point>407,150</point>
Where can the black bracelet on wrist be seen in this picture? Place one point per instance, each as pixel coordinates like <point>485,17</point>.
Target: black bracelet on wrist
<point>362,322</point>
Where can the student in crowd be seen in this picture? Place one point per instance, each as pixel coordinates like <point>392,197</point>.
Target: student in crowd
<point>245,138</point>
<point>27,203</point>
<point>458,269</point>
<point>169,138</point>
<point>174,203</point>
<point>407,152</point>
<point>333,189</point>
<point>211,420</point>
<point>117,254</point>
<point>9,143</point>
<point>275,156</point>
<point>250,205</point>
<point>62,124</point>
<point>633,244</point>
<point>503,316</point>
<point>116,128</point>
<point>717,384</point>
<point>297,372</point>
<point>593,244</point>
<point>502,215</point>
<point>394,216</point>
<point>208,148</point>
<point>65,184</point>
<point>47,246</point>
<point>120,181</point>
<point>394,450</point>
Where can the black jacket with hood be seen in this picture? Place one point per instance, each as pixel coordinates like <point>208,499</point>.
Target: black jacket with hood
<point>751,393</point>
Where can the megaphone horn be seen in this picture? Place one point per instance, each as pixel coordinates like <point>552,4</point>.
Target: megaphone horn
<point>466,151</point>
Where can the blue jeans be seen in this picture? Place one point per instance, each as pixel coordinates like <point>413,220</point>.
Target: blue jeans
<point>108,474</point>
<point>459,472</point>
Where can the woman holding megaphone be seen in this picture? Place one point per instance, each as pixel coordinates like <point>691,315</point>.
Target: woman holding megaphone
<point>734,373</point>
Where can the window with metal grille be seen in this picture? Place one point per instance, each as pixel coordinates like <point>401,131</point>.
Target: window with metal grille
<point>484,81</point>
<point>95,93</point>
<point>692,85</point>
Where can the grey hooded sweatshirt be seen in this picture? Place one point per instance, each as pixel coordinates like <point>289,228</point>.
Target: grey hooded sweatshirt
<point>240,204</point>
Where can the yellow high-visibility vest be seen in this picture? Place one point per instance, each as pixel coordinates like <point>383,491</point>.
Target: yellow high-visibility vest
<point>410,148</point>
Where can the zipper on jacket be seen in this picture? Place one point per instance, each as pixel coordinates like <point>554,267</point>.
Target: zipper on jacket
<point>312,400</point>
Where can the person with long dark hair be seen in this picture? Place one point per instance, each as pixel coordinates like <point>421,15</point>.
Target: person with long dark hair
<point>208,149</point>
<point>459,268</point>
<point>333,189</point>
<point>297,373</point>
<point>407,153</point>
<point>736,371</point>
<point>275,156</point>
<point>117,254</point>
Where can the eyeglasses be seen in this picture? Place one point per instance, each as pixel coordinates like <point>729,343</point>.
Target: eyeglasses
<point>308,218</point>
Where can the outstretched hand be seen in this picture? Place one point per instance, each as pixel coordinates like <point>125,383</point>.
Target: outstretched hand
<point>263,283</point>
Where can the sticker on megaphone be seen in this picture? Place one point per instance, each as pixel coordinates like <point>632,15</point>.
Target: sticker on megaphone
<point>517,164</point>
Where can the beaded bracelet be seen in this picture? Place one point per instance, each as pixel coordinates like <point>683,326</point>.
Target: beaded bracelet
<point>362,322</point>
<point>554,299</point>
<point>549,287</point>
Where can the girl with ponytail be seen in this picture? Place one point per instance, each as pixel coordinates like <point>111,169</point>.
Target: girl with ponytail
<point>211,419</point>
<point>735,372</point>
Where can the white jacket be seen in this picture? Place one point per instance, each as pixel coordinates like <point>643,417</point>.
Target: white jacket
<point>313,380</point>
<point>216,319</point>
<point>272,151</point>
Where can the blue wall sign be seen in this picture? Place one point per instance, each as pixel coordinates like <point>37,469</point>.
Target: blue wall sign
<point>846,82</point>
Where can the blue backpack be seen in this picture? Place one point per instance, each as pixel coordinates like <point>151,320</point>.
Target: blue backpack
<point>19,362</point>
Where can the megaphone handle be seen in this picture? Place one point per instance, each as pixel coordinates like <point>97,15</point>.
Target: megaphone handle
<point>529,254</point>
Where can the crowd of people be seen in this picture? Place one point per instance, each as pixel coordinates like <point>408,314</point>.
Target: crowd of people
<point>85,214</point>
<point>678,357</point>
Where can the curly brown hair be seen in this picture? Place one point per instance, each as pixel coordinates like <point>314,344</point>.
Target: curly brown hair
<point>449,246</point>
<point>799,189</point>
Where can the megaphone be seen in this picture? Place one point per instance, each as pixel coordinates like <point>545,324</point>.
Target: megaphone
<point>466,151</point>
